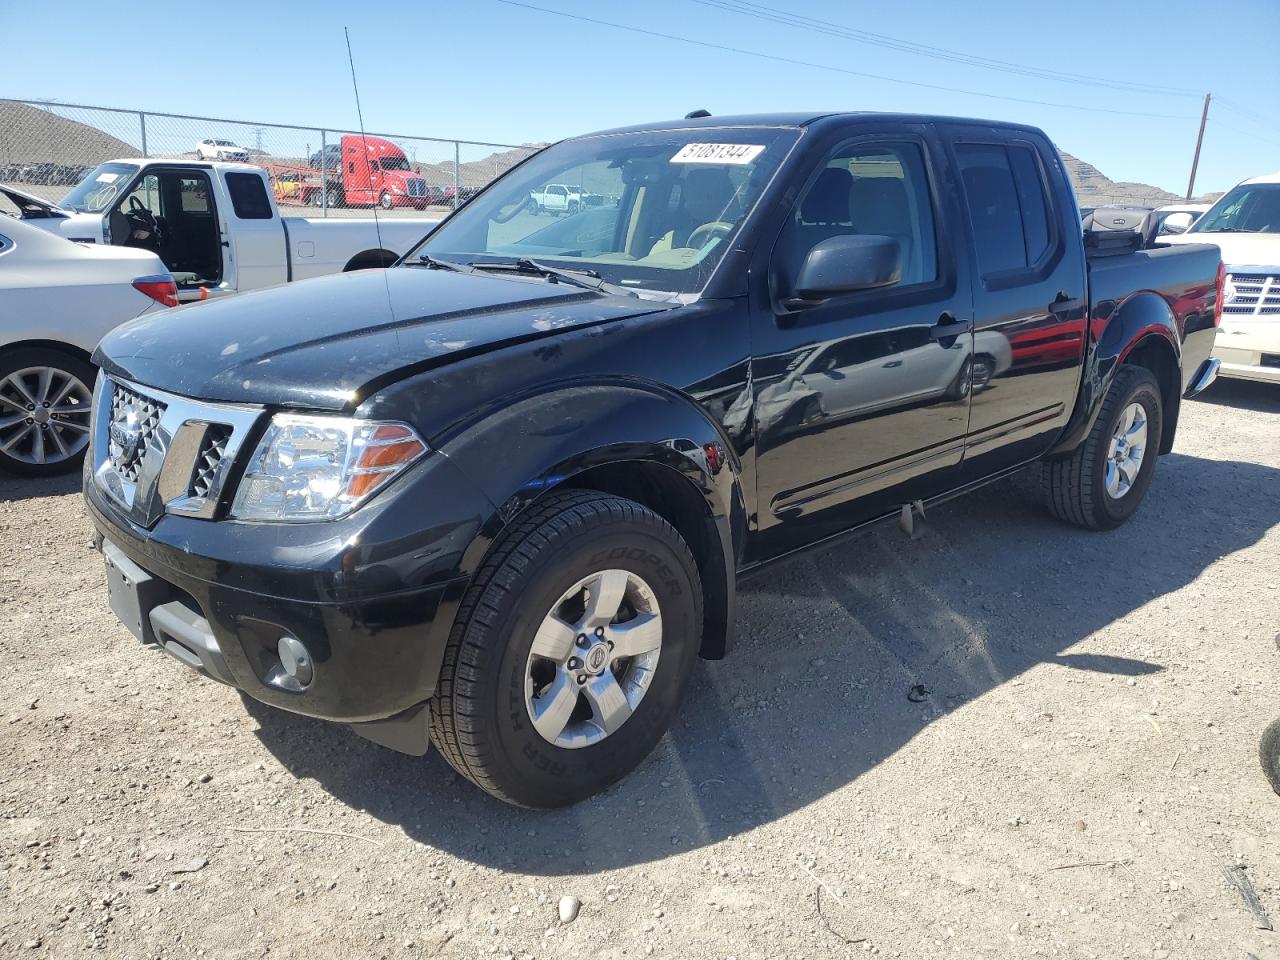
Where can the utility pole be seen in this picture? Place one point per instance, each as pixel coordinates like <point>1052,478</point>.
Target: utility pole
<point>1195,161</point>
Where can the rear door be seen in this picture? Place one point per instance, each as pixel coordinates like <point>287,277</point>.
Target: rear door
<point>862,400</point>
<point>255,236</point>
<point>1030,296</point>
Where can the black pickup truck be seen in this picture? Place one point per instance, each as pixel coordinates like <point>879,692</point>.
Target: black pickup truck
<point>498,496</point>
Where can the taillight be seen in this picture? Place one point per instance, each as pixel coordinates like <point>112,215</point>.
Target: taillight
<point>161,289</point>
<point>1220,291</point>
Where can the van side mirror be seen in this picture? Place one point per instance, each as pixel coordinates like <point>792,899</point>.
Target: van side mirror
<point>845,264</point>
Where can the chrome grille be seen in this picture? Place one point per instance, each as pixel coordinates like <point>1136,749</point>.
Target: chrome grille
<point>212,449</point>
<point>156,452</point>
<point>417,188</point>
<point>1252,294</point>
<point>131,430</point>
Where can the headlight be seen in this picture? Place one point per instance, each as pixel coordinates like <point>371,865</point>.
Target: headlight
<point>318,468</point>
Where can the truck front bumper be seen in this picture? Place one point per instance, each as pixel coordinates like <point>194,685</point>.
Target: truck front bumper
<point>365,657</point>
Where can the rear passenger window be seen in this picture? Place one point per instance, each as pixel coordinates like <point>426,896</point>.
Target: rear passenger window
<point>248,196</point>
<point>867,188</point>
<point>1004,190</point>
<point>1032,201</point>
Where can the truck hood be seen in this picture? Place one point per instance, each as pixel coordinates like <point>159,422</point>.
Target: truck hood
<point>325,344</point>
<point>32,207</point>
<point>1238,249</point>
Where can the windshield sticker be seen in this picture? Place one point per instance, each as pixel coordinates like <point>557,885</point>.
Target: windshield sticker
<point>728,153</point>
<point>106,178</point>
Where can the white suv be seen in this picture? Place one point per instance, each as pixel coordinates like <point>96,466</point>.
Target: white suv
<point>1245,225</point>
<point>221,150</point>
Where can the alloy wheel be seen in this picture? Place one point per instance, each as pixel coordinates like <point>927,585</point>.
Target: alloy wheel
<point>592,658</point>
<point>1126,451</point>
<point>44,415</point>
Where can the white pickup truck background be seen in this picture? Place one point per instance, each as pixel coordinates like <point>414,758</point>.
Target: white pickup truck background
<point>256,246</point>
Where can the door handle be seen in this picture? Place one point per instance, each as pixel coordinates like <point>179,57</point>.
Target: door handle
<point>892,363</point>
<point>949,327</point>
<point>1064,303</point>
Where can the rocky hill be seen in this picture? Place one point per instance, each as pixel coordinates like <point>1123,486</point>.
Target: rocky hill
<point>29,135</point>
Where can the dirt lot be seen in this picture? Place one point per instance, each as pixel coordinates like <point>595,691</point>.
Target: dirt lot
<point>1080,772</point>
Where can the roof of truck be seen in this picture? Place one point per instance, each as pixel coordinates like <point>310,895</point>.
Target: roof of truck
<point>1265,178</point>
<point>805,120</point>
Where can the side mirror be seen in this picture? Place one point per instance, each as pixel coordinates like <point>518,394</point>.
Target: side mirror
<point>1176,223</point>
<point>848,263</point>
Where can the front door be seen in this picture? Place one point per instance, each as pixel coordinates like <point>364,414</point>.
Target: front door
<point>862,401</point>
<point>172,212</point>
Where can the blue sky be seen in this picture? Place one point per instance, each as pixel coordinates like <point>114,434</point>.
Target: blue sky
<point>488,70</point>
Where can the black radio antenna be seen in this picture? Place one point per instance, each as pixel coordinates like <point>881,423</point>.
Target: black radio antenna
<point>377,226</point>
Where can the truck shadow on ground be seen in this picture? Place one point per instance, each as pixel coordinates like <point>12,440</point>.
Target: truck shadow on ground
<point>816,691</point>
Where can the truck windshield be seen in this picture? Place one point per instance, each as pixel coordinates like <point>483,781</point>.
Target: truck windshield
<point>1248,208</point>
<point>96,191</point>
<point>653,210</point>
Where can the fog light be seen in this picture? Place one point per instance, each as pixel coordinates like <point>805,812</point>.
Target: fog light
<point>295,660</point>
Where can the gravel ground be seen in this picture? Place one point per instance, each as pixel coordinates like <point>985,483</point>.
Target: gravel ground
<point>1080,771</point>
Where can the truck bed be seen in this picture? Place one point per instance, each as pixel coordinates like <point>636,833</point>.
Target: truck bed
<point>1185,276</point>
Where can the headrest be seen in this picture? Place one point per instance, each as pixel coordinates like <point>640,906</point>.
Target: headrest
<point>707,193</point>
<point>879,205</point>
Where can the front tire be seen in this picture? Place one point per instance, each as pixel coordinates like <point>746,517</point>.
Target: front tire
<point>386,201</point>
<point>1269,754</point>
<point>1102,483</point>
<point>45,399</point>
<point>570,651</point>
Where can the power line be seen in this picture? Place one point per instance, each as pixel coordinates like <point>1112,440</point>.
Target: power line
<point>1246,112</point>
<point>834,69</point>
<point>828,28</point>
<point>1244,133</point>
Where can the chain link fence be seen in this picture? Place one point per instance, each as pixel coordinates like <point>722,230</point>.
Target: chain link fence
<point>46,148</point>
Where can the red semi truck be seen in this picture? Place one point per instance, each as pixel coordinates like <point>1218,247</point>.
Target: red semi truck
<point>361,171</point>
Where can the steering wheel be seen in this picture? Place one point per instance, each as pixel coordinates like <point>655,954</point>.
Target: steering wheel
<point>137,211</point>
<point>704,234</point>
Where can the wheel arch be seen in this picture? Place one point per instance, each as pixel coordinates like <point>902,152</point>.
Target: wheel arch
<point>37,344</point>
<point>1141,331</point>
<point>647,444</point>
<point>370,259</point>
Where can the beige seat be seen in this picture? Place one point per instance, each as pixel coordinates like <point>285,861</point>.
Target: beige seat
<point>707,197</point>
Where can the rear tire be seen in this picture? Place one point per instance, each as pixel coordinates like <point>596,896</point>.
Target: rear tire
<point>51,438</point>
<point>1082,489</point>
<point>483,713</point>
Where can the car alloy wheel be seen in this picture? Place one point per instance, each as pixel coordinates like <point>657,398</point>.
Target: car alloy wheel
<point>1126,451</point>
<point>592,658</point>
<point>44,415</point>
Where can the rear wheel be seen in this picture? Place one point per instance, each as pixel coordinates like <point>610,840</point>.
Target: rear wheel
<point>1102,483</point>
<point>45,398</point>
<point>570,651</point>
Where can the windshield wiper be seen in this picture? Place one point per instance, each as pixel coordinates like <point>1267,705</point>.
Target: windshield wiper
<point>431,263</point>
<point>577,278</point>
